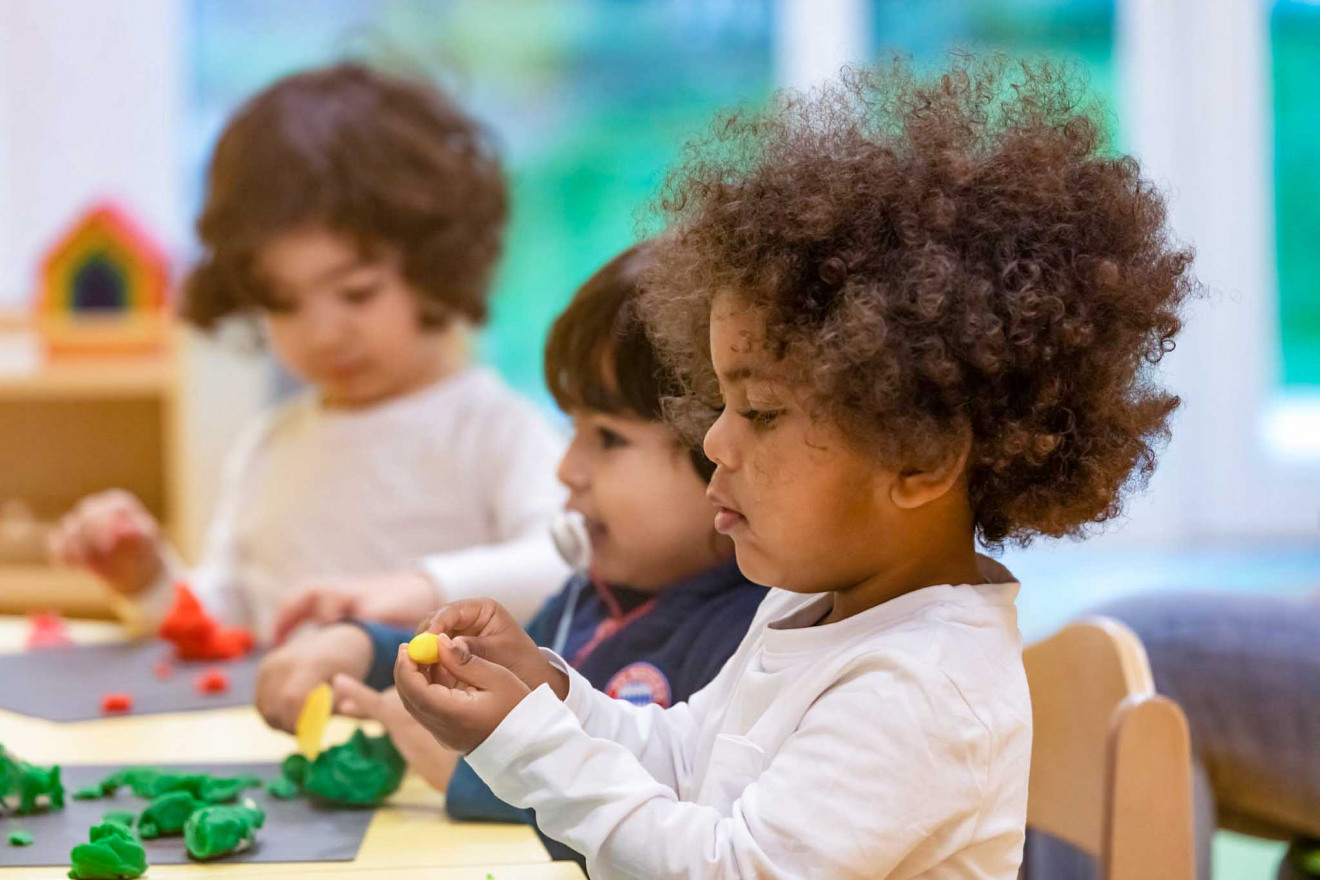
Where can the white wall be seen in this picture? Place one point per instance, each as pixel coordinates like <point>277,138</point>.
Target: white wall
<point>814,38</point>
<point>91,107</point>
<point>1197,105</point>
<point>90,101</point>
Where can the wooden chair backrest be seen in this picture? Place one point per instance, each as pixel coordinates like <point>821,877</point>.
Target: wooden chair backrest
<point>1111,761</point>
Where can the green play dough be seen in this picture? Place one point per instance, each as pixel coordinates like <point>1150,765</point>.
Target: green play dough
<point>359,773</point>
<point>167,814</point>
<point>136,778</point>
<point>283,789</point>
<point>119,817</point>
<point>294,768</point>
<point>218,831</point>
<point>204,787</point>
<point>151,782</point>
<point>113,853</point>
<point>20,838</point>
<point>34,786</point>
<point>88,793</point>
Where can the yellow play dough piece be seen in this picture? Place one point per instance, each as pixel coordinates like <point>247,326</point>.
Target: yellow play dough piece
<point>424,649</point>
<point>312,720</point>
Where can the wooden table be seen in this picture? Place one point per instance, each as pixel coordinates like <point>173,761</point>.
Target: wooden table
<point>411,837</point>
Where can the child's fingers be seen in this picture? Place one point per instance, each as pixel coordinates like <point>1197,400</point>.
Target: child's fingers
<point>333,606</point>
<point>59,543</point>
<point>310,603</point>
<point>476,646</point>
<point>117,531</point>
<point>416,684</point>
<point>457,618</point>
<point>423,699</point>
<point>466,667</point>
<point>409,678</point>
<point>102,516</point>
<point>293,612</point>
<point>76,549</point>
<point>355,699</point>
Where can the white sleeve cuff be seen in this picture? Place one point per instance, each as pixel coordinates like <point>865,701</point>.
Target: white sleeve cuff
<point>580,690</point>
<point>497,759</point>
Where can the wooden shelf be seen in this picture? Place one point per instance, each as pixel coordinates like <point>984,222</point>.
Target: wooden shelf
<point>132,377</point>
<point>26,588</point>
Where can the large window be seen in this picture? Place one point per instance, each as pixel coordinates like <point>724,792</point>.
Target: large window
<point>1295,51</point>
<point>1079,31</point>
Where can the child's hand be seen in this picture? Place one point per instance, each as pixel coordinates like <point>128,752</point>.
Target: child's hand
<point>112,534</point>
<point>488,630</point>
<point>287,675</point>
<point>401,599</point>
<point>426,757</point>
<point>461,699</point>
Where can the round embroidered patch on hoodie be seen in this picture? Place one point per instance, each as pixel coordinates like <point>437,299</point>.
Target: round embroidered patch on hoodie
<point>640,684</point>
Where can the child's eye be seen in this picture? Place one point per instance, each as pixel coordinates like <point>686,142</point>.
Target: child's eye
<point>760,419</point>
<point>611,439</point>
<point>360,295</point>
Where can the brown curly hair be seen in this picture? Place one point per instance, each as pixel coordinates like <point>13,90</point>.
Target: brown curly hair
<point>392,163</point>
<point>933,258</point>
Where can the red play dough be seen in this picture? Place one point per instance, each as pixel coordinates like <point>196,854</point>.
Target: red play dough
<point>46,630</point>
<point>212,681</point>
<point>195,635</point>
<point>112,704</point>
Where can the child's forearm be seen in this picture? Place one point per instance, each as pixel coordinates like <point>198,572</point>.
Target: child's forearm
<point>658,738</point>
<point>861,787</point>
<point>595,797</point>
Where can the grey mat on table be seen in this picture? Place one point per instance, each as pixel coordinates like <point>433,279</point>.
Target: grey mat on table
<point>294,831</point>
<point>67,684</point>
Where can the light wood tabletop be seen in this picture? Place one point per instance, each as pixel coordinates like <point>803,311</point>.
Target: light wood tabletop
<point>410,836</point>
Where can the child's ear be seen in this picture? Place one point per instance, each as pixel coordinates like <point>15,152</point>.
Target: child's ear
<point>916,487</point>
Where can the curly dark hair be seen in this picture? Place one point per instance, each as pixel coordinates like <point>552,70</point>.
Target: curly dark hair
<point>935,258</point>
<point>391,162</point>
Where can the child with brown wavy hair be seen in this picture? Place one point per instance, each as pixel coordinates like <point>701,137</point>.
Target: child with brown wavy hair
<point>358,216</point>
<point>908,314</point>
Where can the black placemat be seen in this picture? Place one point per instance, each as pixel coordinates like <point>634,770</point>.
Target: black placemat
<point>294,831</point>
<point>67,684</point>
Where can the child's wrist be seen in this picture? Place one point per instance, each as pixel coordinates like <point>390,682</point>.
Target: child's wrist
<point>151,573</point>
<point>558,682</point>
<point>349,650</point>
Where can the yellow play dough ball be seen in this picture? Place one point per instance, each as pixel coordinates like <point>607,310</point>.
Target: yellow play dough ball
<point>424,649</point>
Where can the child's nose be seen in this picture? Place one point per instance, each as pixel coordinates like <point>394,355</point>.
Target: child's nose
<point>718,442</point>
<point>325,328</point>
<point>572,470</point>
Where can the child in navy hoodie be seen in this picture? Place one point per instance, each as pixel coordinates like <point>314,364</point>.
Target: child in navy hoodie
<point>660,608</point>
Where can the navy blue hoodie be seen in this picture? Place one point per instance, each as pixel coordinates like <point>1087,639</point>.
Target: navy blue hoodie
<point>642,647</point>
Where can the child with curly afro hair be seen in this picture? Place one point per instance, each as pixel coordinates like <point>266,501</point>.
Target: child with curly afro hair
<point>907,313</point>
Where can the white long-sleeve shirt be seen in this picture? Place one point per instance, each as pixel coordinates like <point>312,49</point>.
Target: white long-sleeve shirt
<point>893,744</point>
<point>457,479</point>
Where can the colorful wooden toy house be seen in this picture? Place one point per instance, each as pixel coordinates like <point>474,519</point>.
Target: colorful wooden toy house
<point>104,288</point>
